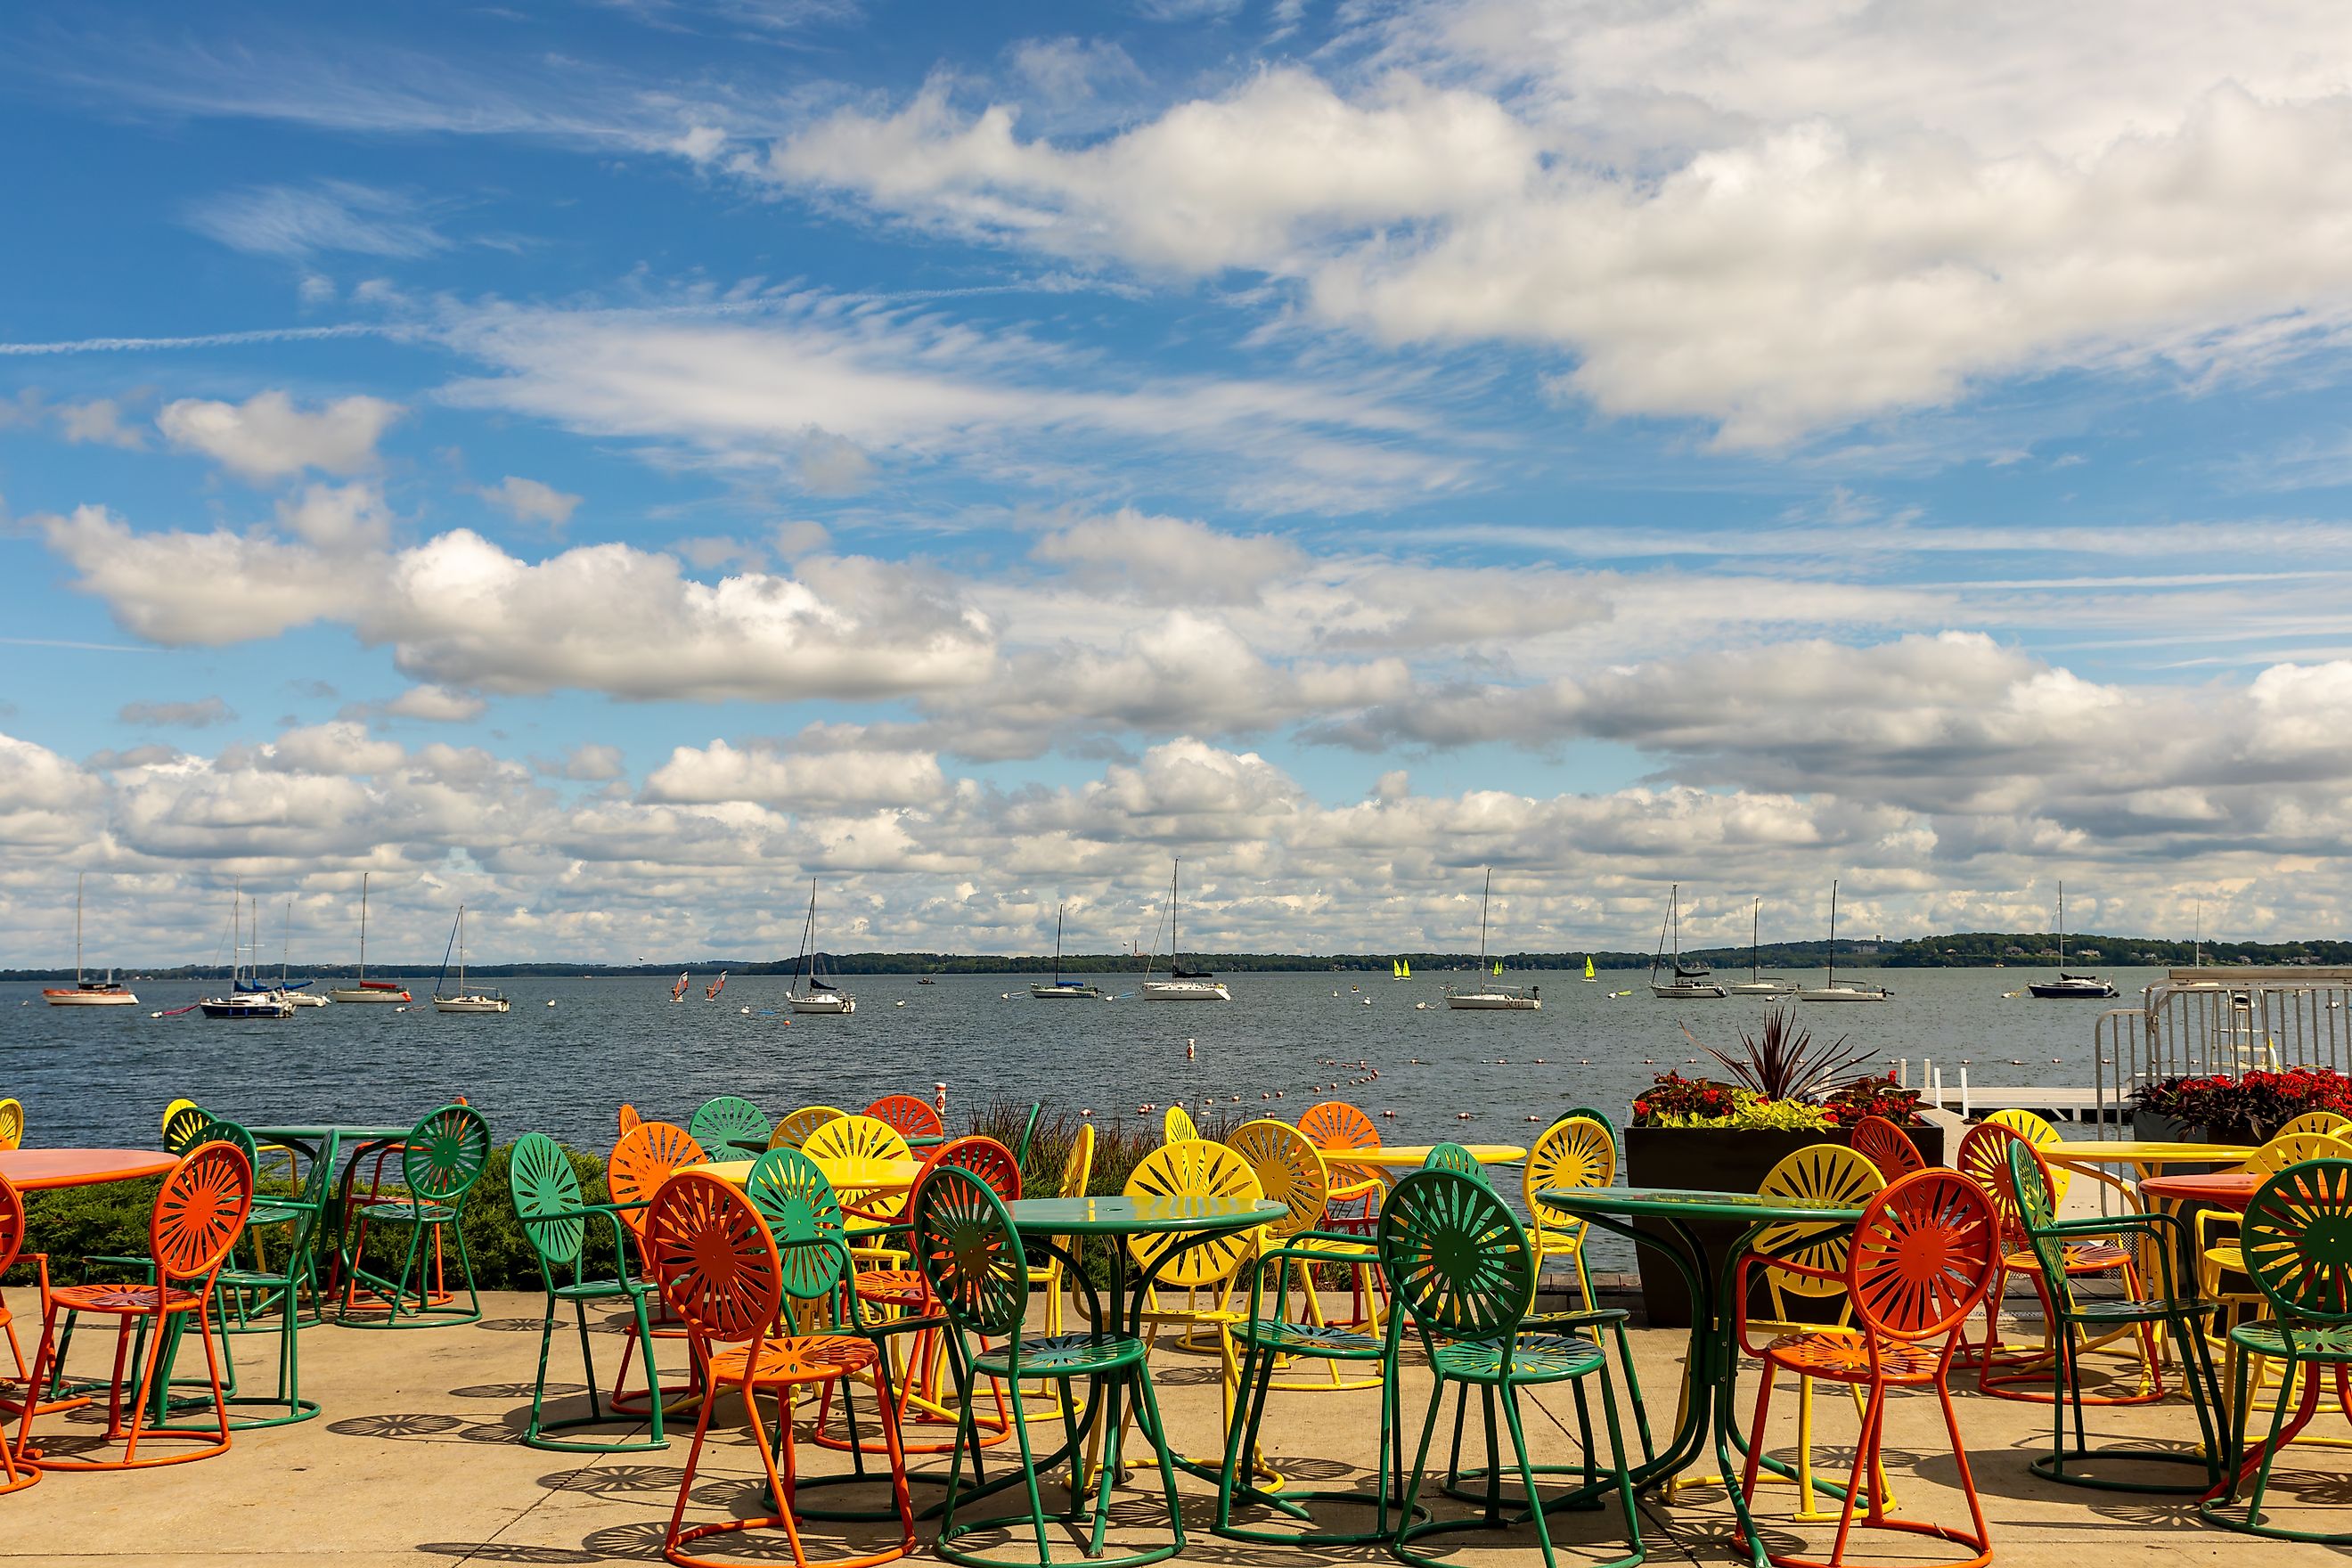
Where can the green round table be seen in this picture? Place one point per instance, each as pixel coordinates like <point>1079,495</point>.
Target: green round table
<point>1711,1371</point>
<point>327,1141</point>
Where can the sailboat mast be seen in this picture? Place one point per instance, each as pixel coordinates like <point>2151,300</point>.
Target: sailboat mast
<point>1662,938</point>
<point>1175,867</point>
<point>78,881</point>
<point>808,934</point>
<point>1754,939</point>
<point>1483,897</point>
<point>1057,944</point>
<point>2061,929</point>
<point>285,941</point>
<point>1832,985</point>
<point>363,882</point>
<point>461,949</point>
<point>236,934</point>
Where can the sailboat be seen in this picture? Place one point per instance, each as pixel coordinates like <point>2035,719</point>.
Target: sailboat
<point>294,991</point>
<point>1183,985</point>
<point>1589,976</point>
<point>1832,990</point>
<point>1692,981</point>
<point>677,992</point>
<point>361,988</point>
<point>243,1002</point>
<point>87,993</point>
<point>1492,998</point>
<point>1400,969</point>
<point>1075,990</point>
<point>810,993</point>
<point>716,986</point>
<point>2070,987</point>
<point>462,1000</point>
<point>1757,983</point>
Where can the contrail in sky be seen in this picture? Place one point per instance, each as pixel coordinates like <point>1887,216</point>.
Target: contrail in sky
<point>203,341</point>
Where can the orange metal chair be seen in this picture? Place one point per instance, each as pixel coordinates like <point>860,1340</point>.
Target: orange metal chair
<point>1924,1254</point>
<point>910,1114</point>
<point>15,1477</point>
<point>647,1155</point>
<point>720,1269</point>
<point>1352,1206</point>
<point>197,1219</point>
<point>1888,1147</point>
<point>630,1119</point>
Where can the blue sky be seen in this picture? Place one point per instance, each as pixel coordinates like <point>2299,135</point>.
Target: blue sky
<point>608,463</point>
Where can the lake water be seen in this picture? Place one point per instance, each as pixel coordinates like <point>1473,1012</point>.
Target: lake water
<point>103,1075</point>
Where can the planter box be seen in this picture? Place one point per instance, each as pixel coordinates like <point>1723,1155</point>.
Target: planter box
<point>1716,1160</point>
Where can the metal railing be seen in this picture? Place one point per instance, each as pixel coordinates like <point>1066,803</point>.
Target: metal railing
<point>2221,1022</point>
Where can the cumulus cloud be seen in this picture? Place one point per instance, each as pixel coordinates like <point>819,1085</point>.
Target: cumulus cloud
<point>530,500</point>
<point>794,781</point>
<point>99,420</point>
<point>200,714</point>
<point>438,703</point>
<point>267,437</point>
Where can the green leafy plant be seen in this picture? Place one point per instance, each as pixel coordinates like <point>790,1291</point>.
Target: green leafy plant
<point>1874,1096</point>
<point>1784,1063</point>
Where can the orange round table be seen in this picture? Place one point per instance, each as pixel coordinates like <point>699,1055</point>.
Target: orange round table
<point>36,1170</point>
<point>2222,1189</point>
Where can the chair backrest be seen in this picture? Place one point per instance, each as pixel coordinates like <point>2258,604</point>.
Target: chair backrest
<point>12,1224</point>
<point>1983,1158</point>
<point>12,1124</point>
<point>984,1157</point>
<point>1177,1125</point>
<point>1288,1170</point>
<point>629,1118</point>
<point>184,1126</point>
<point>444,1154</point>
<point>1335,1126</point>
<point>217,1132</point>
<point>1194,1168</point>
<point>1078,1165</point>
<point>1456,1256</point>
<point>1828,1172</point>
<point>1574,1152</point>
<point>2297,1240</point>
<point>200,1211</point>
<point>713,1260</point>
<point>543,1186</point>
<point>2030,1199</point>
<point>856,1138</point>
<point>912,1115</point>
<point>1888,1147</point>
<point>2294,1149</point>
<point>2317,1121</point>
<point>2036,1131</point>
<point>969,1250</point>
<point>798,1205</point>
<point>1923,1255</point>
<point>1453,1157</point>
<point>1588,1114</point>
<point>792,1132</point>
<point>729,1122</point>
<point>647,1155</point>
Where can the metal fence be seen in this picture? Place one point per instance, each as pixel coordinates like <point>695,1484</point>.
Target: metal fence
<point>2222,1021</point>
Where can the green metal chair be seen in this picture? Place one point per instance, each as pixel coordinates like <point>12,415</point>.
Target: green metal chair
<point>1453,1157</point>
<point>731,1123</point>
<point>1460,1265</point>
<point>970,1250</point>
<point>2298,1240</point>
<point>2076,1318</point>
<point>555,1213</point>
<point>439,1163</point>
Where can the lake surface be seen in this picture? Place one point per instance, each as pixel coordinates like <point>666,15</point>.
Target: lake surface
<point>102,1076</point>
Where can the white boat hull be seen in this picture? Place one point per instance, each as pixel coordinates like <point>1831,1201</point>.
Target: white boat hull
<point>1493,1002</point>
<point>304,999</point>
<point>346,993</point>
<point>842,1003</point>
<point>1186,990</point>
<point>470,1005</point>
<point>89,998</point>
<point>1689,991</point>
<point>1069,994</point>
<point>1842,994</point>
<point>1759,988</point>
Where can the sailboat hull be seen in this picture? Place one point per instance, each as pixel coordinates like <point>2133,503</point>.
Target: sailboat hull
<point>1186,990</point>
<point>1761,988</point>
<point>1070,992</point>
<point>842,1004</point>
<point>1689,991</point>
<point>1493,1002</point>
<point>2073,989</point>
<point>369,993</point>
<point>262,1006</point>
<point>470,1005</point>
<point>113,997</point>
<point>1840,994</point>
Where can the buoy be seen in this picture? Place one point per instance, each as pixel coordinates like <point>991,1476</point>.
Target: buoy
<point>551,1001</point>
<point>1005,996</point>
<point>1277,1094</point>
<point>1461,1116</point>
<point>894,1003</point>
<point>1190,1050</point>
<point>1368,1001</point>
<point>939,1097</point>
<point>1390,1114</point>
<point>1263,1095</point>
<point>151,1014</point>
<point>746,1011</point>
<point>1088,1110</point>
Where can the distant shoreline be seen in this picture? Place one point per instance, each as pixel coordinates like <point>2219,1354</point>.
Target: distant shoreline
<point>1966,950</point>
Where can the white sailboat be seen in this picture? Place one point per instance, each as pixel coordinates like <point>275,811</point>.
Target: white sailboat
<point>1692,982</point>
<point>1832,990</point>
<point>1487,996</point>
<point>1757,983</point>
<point>1066,990</point>
<point>363,989</point>
<point>1183,985</point>
<point>2073,988</point>
<point>810,992</point>
<point>292,990</point>
<point>103,993</point>
<point>462,1000</point>
<point>243,1001</point>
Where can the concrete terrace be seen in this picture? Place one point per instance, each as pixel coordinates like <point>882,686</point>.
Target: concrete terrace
<point>416,1461</point>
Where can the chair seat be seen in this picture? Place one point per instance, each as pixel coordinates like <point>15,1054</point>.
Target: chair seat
<point>1321,1340</point>
<point>2332,1344</point>
<point>1323,1247</point>
<point>122,1298</point>
<point>600,1289</point>
<point>267,1211</point>
<point>1842,1355</point>
<point>2229,1259</point>
<point>1536,1358</point>
<point>431,1214</point>
<point>801,1358</point>
<point>2128,1311</point>
<point>1063,1355</point>
<point>894,1287</point>
<point>2081,1257</point>
<point>234,1279</point>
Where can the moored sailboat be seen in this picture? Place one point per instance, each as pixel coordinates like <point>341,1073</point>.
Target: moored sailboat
<point>1692,981</point>
<point>1183,985</point>
<point>363,989</point>
<point>1758,984</point>
<point>87,993</point>
<point>243,1001</point>
<point>1061,989</point>
<point>1832,990</point>
<point>2073,988</point>
<point>1488,997</point>
<point>462,1000</point>
<point>811,993</point>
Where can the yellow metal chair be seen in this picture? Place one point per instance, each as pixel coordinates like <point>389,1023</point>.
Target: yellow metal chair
<point>1177,1125</point>
<point>2216,1258</point>
<point>1290,1170</point>
<point>12,1124</point>
<point>1577,1152</point>
<point>792,1132</point>
<point>864,1137</point>
<point>2330,1122</point>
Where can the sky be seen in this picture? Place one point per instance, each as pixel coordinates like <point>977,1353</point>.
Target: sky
<point>609,464</point>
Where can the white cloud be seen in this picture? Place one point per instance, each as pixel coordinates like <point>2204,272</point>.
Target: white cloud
<point>530,500</point>
<point>201,713</point>
<point>295,223</point>
<point>1171,560</point>
<point>592,761</point>
<point>99,420</point>
<point>436,703</point>
<point>267,437</point>
<point>793,781</point>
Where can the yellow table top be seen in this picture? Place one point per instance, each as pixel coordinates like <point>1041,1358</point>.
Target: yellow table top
<point>851,1176</point>
<point>1408,1156</point>
<point>2132,1151</point>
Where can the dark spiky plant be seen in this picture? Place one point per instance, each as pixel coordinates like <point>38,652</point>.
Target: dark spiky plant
<point>1784,1063</point>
